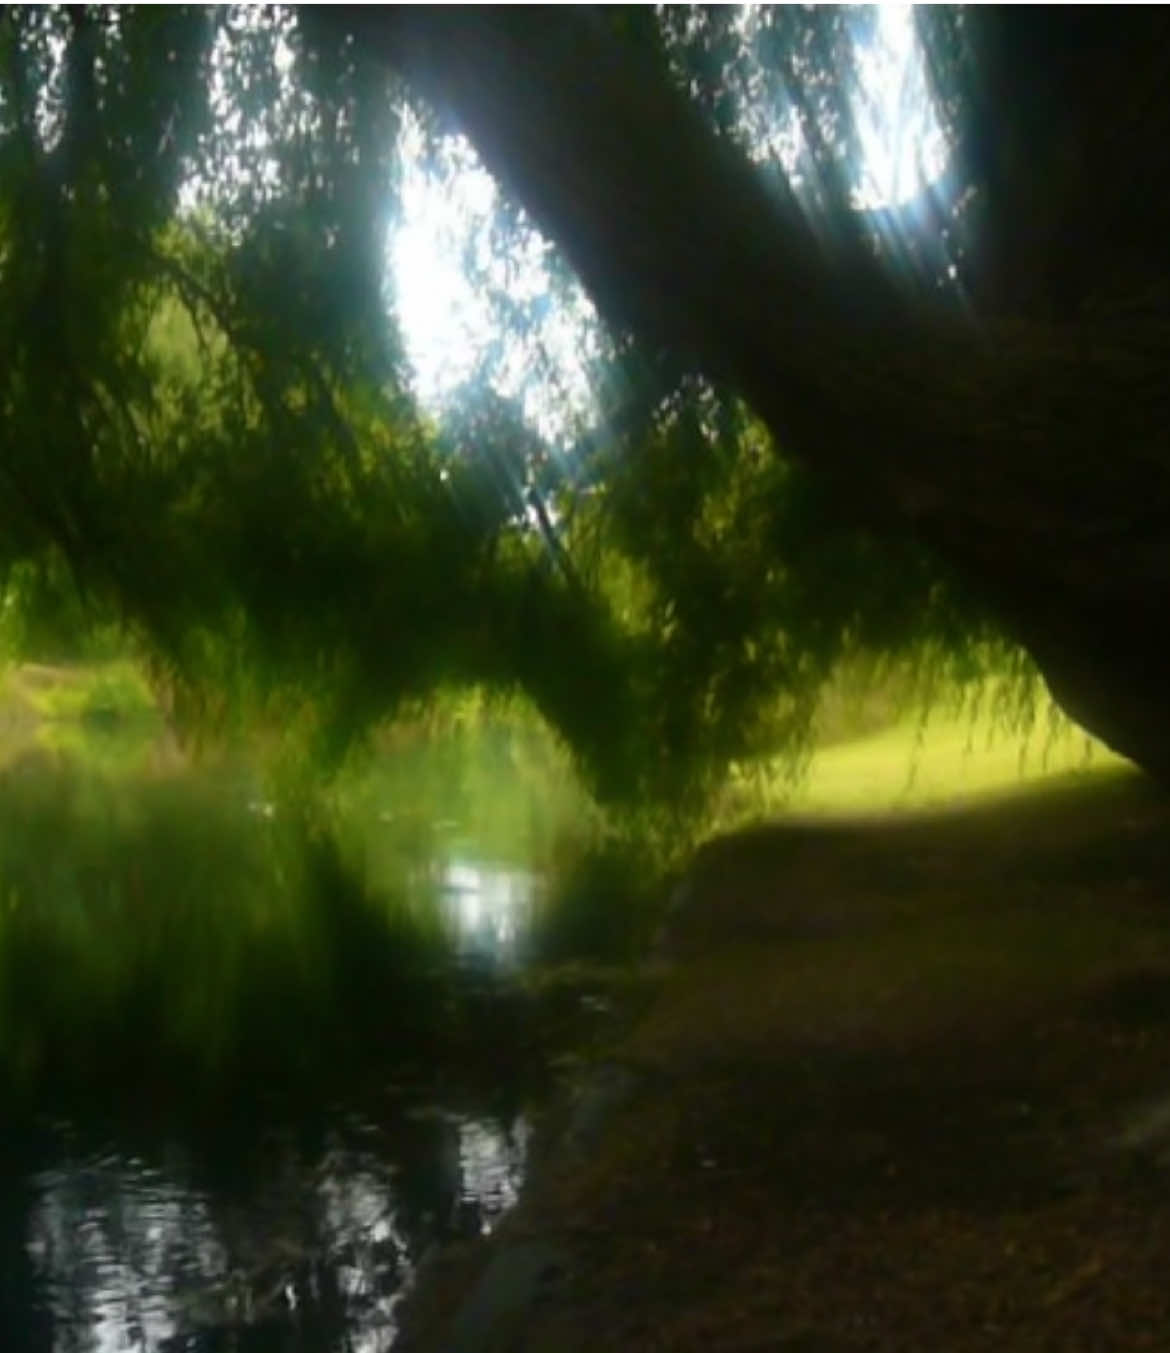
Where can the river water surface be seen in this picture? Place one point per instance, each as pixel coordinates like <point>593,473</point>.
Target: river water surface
<point>252,1079</point>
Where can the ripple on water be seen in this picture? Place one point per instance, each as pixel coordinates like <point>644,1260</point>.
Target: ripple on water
<point>179,1252</point>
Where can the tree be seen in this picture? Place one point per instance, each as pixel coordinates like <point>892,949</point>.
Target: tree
<point>1016,427</point>
<point>817,436</point>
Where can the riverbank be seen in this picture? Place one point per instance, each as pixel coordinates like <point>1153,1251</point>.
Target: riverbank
<point>903,1085</point>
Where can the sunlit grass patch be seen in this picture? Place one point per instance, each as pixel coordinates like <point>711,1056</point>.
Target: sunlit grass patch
<point>99,715</point>
<point>114,689</point>
<point>942,760</point>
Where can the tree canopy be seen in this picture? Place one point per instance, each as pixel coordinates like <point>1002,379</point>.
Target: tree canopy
<point>819,426</point>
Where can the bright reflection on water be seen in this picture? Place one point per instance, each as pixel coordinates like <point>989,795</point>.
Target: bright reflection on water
<point>491,1166</point>
<point>313,1250</point>
<point>487,909</point>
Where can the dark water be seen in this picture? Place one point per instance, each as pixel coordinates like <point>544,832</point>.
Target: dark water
<point>286,1237</point>
<point>251,1081</point>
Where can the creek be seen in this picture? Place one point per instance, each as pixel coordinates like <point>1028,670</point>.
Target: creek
<point>254,1077</point>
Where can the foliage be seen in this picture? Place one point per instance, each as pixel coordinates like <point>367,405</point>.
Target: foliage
<point>209,437</point>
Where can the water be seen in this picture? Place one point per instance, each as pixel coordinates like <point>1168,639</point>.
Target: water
<point>252,1077</point>
<point>300,1238</point>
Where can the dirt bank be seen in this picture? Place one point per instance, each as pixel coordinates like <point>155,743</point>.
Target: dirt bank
<point>904,1085</point>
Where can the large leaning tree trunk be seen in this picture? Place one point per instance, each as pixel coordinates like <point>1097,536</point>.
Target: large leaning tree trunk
<point>1022,433</point>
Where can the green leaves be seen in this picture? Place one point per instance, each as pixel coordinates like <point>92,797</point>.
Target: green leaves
<point>205,420</point>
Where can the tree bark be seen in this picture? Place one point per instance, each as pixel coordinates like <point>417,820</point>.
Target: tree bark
<point>1028,449</point>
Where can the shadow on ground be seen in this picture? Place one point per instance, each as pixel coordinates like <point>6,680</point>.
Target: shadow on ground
<point>905,1085</point>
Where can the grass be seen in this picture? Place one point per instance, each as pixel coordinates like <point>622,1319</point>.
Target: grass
<point>115,689</point>
<point>99,715</point>
<point>944,760</point>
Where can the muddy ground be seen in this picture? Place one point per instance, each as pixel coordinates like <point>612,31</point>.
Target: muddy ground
<point>901,1085</point>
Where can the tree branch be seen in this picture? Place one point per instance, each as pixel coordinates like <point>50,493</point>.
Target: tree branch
<point>998,442</point>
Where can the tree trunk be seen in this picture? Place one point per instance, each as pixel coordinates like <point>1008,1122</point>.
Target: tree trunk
<point>1029,449</point>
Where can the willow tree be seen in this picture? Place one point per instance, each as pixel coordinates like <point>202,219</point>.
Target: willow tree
<point>1015,424</point>
<point>822,427</point>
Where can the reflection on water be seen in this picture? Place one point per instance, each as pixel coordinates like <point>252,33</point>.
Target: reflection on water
<point>171,940</point>
<point>304,1249</point>
<point>491,1167</point>
<point>487,909</point>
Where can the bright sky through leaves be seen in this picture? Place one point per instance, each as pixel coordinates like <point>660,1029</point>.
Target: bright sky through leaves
<point>446,315</point>
<point>444,271</point>
<point>904,145</point>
